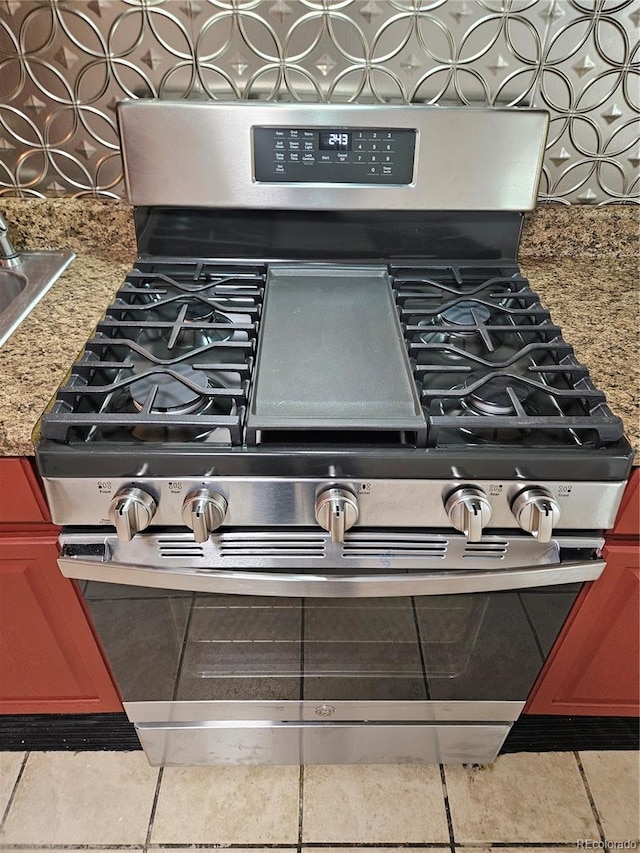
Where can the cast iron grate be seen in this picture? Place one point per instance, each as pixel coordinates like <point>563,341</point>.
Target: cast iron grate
<point>491,366</point>
<point>172,359</point>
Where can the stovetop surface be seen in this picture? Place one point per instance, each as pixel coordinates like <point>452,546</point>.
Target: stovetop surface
<point>174,362</point>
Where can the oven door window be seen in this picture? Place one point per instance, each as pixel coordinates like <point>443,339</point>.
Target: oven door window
<point>167,646</point>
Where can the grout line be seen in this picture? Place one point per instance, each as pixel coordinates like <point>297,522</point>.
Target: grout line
<point>447,808</point>
<point>300,806</point>
<point>12,796</point>
<point>152,815</point>
<point>592,802</point>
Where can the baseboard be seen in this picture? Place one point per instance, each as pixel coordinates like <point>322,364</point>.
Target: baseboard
<point>531,733</point>
<point>550,733</point>
<point>72,732</point>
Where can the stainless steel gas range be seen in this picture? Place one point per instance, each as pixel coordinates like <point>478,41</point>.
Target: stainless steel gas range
<point>330,473</point>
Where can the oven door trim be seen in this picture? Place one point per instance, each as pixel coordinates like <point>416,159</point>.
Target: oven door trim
<point>101,567</point>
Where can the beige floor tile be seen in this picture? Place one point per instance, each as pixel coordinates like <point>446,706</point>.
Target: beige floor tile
<point>373,804</point>
<point>466,849</point>
<point>368,850</point>
<point>614,780</point>
<point>504,850</point>
<point>82,798</point>
<point>10,763</point>
<point>527,797</point>
<point>153,849</point>
<point>227,805</point>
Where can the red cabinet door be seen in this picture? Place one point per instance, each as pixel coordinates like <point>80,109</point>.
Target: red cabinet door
<point>49,659</point>
<point>21,500</point>
<point>594,667</point>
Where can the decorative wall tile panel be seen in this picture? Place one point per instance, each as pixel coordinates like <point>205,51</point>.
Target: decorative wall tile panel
<point>65,63</point>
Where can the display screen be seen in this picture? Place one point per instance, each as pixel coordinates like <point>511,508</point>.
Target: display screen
<point>335,140</point>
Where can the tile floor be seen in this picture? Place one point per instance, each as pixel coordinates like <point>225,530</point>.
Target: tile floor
<point>115,801</point>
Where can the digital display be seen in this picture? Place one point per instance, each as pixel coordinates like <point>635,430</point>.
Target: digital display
<point>335,140</point>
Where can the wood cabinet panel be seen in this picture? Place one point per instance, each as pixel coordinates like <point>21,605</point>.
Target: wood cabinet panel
<point>21,500</point>
<point>49,658</point>
<point>594,667</point>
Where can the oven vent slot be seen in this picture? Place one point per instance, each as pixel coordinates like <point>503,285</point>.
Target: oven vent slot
<point>271,545</point>
<point>389,547</point>
<point>494,550</point>
<point>176,548</point>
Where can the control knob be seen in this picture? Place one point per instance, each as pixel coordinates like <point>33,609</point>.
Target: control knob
<point>536,511</point>
<point>203,511</point>
<point>469,511</point>
<point>130,511</point>
<point>336,511</point>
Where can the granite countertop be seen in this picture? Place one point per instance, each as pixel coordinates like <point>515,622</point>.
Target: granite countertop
<point>592,296</point>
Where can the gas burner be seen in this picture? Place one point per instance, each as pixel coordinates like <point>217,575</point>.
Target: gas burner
<point>467,313</point>
<point>200,312</point>
<point>167,393</point>
<point>461,326</point>
<point>192,325</point>
<point>494,397</point>
<point>171,398</point>
<point>492,412</point>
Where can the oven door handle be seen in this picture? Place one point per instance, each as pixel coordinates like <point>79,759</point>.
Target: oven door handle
<point>313,584</point>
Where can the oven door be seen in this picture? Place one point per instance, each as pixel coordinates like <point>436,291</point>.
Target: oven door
<point>424,664</point>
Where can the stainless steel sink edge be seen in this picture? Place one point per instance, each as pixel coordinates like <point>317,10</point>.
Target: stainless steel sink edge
<point>40,269</point>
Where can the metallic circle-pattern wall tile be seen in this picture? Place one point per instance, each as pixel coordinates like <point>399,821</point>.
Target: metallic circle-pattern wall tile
<point>64,64</point>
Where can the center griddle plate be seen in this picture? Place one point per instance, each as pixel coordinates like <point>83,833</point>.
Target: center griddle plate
<point>331,355</point>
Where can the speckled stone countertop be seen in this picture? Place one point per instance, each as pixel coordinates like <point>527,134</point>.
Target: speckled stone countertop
<point>583,262</point>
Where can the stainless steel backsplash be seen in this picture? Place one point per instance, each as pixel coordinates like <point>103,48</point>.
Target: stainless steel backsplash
<point>65,63</point>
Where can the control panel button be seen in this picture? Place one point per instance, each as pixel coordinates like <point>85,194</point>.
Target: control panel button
<point>130,511</point>
<point>203,511</point>
<point>336,511</point>
<point>537,512</point>
<point>469,511</point>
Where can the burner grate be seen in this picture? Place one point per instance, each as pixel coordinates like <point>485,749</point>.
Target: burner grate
<point>490,365</point>
<point>172,360</point>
